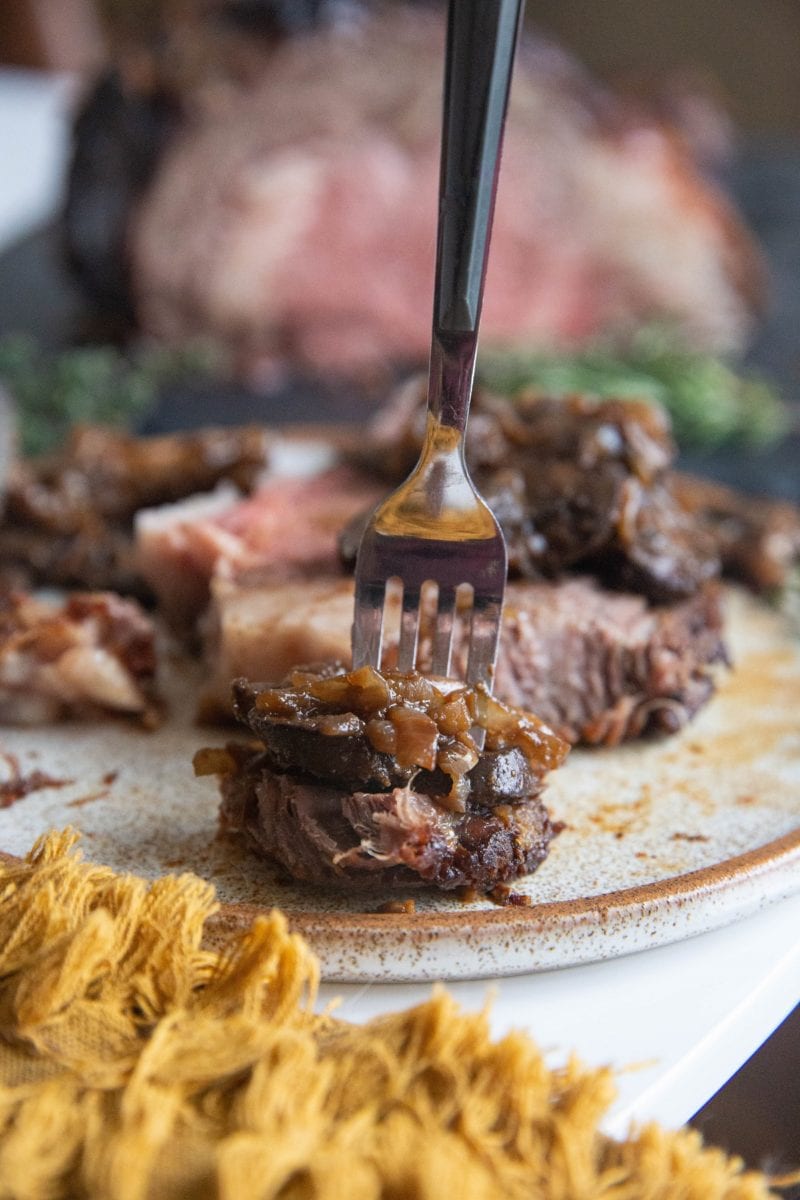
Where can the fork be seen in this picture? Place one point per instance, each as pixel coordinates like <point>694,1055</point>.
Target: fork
<point>436,529</point>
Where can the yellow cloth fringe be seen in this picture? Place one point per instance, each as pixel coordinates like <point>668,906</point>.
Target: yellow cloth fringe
<point>137,1065</point>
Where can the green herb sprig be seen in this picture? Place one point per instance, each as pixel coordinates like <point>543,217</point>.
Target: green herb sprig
<point>710,403</point>
<point>89,384</point>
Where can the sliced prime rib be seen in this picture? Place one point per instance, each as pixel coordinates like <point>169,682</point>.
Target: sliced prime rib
<point>263,629</point>
<point>68,516</point>
<point>302,176</point>
<point>598,666</point>
<point>576,484</point>
<point>602,667</point>
<point>287,529</point>
<point>388,785</point>
<point>91,654</point>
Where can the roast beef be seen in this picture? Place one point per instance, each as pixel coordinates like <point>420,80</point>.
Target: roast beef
<point>288,529</point>
<point>758,539</point>
<point>598,666</point>
<point>602,667</point>
<point>576,484</point>
<point>69,515</point>
<point>369,840</point>
<point>364,730</point>
<point>388,785</point>
<point>104,472</point>
<point>292,211</point>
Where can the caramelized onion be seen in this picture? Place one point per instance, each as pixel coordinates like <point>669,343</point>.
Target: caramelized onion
<point>382,735</point>
<point>417,737</point>
<point>416,722</point>
<point>213,760</point>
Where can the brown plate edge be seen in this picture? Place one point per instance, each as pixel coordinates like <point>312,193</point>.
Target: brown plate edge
<point>708,880</point>
<point>353,947</point>
<point>583,910</point>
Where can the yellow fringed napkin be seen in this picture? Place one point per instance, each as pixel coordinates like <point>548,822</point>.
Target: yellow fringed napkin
<point>137,1065</point>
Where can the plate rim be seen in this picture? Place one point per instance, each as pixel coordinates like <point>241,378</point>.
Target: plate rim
<point>708,881</point>
<point>718,877</point>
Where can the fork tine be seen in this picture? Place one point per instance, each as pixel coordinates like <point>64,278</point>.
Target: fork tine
<point>483,637</point>
<point>409,628</point>
<point>443,631</point>
<point>368,623</point>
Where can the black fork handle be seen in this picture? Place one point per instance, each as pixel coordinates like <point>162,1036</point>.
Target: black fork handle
<point>481,40</point>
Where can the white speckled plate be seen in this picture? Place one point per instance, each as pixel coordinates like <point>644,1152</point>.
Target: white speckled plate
<point>663,839</point>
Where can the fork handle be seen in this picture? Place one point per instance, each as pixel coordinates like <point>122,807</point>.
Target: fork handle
<point>481,40</point>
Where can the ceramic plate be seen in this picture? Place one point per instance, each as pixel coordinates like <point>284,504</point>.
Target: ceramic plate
<point>662,840</point>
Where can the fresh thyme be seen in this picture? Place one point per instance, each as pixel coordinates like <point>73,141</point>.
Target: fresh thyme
<point>710,402</point>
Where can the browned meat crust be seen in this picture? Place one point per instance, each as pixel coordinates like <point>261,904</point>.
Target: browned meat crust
<point>372,731</point>
<point>582,484</point>
<point>758,539</point>
<point>351,761</point>
<point>95,558</point>
<point>68,516</point>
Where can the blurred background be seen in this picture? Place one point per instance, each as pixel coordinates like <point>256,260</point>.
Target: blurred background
<point>748,48</point>
<point>745,49</point>
<point>684,117</point>
<point>723,74</point>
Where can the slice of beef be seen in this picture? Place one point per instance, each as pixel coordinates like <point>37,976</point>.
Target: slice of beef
<point>373,731</point>
<point>604,667</point>
<point>630,536</point>
<point>107,473</point>
<point>576,484</point>
<point>530,427</point>
<point>262,628</point>
<point>598,666</point>
<point>94,653</point>
<point>399,838</point>
<point>99,556</point>
<point>335,811</point>
<point>590,485</point>
<point>581,486</point>
<point>287,528</point>
<point>658,550</point>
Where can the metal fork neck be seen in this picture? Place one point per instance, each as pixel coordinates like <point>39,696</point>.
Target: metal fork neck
<point>481,38</point>
<point>452,368</point>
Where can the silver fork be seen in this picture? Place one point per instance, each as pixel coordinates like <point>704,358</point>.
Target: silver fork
<point>436,529</point>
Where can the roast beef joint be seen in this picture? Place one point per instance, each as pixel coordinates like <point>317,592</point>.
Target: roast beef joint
<point>366,780</point>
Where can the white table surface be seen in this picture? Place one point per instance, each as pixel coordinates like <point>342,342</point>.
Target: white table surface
<point>676,1022</point>
<point>34,146</point>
